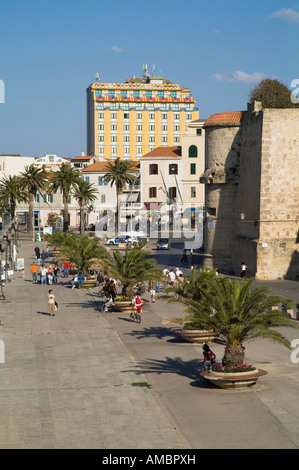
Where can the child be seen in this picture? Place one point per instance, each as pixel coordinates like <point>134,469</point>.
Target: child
<point>208,357</point>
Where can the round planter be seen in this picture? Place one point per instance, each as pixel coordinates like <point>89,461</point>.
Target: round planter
<point>233,379</point>
<point>122,306</point>
<point>197,336</point>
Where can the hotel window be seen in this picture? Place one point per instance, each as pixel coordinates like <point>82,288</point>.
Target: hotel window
<point>113,150</point>
<point>126,138</point>
<point>148,94</point>
<point>101,127</point>
<point>103,198</point>
<point>113,138</point>
<point>139,127</point>
<point>101,138</point>
<point>113,127</point>
<point>126,127</point>
<point>139,150</point>
<point>126,116</point>
<point>127,150</point>
<point>102,181</point>
<point>152,139</point>
<point>151,128</point>
<point>192,168</point>
<point>164,115</point>
<point>198,131</point>
<point>113,115</point>
<point>111,93</point>
<point>139,116</point>
<point>164,139</point>
<point>164,128</point>
<point>50,198</point>
<point>152,192</point>
<point>188,116</point>
<point>173,94</point>
<point>193,191</point>
<point>177,140</point>
<point>176,128</point>
<point>136,94</point>
<point>192,151</point>
<point>123,94</point>
<point>153,169</point>
<point>124,106</point>
<point>177,116</point>
<point>173,169</point>
<point>172,192</point>
<point>99,93</point>
<point>139,139</point>
<point>152,116</point>
<point>160,94</point>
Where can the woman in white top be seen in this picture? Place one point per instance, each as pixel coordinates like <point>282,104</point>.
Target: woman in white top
<point>51,302</point>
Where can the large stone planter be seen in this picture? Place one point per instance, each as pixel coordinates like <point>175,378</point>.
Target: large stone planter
<point>197,336</point>
<point>233,380</point>
<point>124,306</point>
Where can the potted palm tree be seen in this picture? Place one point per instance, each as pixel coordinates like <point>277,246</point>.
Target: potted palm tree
<point>237,312</point>
<point>193,330</point>
<point>128,269</point>
<point>288,307</point>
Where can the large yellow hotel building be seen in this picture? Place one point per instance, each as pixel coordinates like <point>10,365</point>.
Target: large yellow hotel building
<point>132,118</point>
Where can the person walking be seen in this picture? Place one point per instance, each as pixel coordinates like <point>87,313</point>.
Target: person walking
<point>112,289</point>
<point>152,289</point>
<point>51,302</point>
<point>243,269</point>
<point>43,274</point>
<point>34,272</point>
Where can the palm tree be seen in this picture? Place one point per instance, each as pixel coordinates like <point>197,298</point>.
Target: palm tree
<point>119,173</point>
<point>132,267</point>
<point>238,313</point>
<point>11,193</point>
<point>83,251</point>
<point>79,249</point>
<point>64,180</point>
<point>84,192</point>
<point>33,180</point>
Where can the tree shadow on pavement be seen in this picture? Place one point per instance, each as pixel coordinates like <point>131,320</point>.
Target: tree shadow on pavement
<point>190,369</point>
<point>157,332</point>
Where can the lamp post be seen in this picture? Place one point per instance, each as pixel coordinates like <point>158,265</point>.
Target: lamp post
<point>3,249</point>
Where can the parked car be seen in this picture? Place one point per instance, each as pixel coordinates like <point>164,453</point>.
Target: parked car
<point>118,240</point>
<point>163,244</point>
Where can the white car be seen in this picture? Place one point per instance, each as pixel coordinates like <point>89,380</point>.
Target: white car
<point>118,240</point>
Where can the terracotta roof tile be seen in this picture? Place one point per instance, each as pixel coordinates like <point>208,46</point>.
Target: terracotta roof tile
<point>83,157</point>
<point>168,152</point>
<point>102,167</point>
<point>229,117</point>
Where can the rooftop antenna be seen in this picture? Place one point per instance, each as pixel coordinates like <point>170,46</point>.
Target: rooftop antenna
<point>145,71</point>
<point>154,67</point>
<point>97,77</point>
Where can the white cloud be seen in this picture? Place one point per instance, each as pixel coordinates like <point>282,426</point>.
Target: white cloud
<point>116,49</point>
<point>287,14</point>
<point>240,77</point>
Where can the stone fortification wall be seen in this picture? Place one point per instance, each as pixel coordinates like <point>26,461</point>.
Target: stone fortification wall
<point>278,246</point>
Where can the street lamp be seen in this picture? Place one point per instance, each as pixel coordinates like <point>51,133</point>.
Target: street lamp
<point>3,249</point>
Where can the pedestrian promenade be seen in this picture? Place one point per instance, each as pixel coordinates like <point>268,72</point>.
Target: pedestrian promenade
<point>67,380</point>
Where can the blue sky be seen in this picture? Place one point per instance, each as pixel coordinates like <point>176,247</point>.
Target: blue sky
<point>51,52</point>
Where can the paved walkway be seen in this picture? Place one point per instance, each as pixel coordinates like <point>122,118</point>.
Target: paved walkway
<point>67,380</point>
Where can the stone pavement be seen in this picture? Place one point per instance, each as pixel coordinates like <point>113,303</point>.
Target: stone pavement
<point>67,380</point>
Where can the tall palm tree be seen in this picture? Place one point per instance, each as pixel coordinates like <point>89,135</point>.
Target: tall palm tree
<point>238,313</point>
<point>33,180</point>
<point>131,267</point>
<point>119,173</point>
<point>11,193</point>
<point>64,180</point>
<point>84,193</point>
